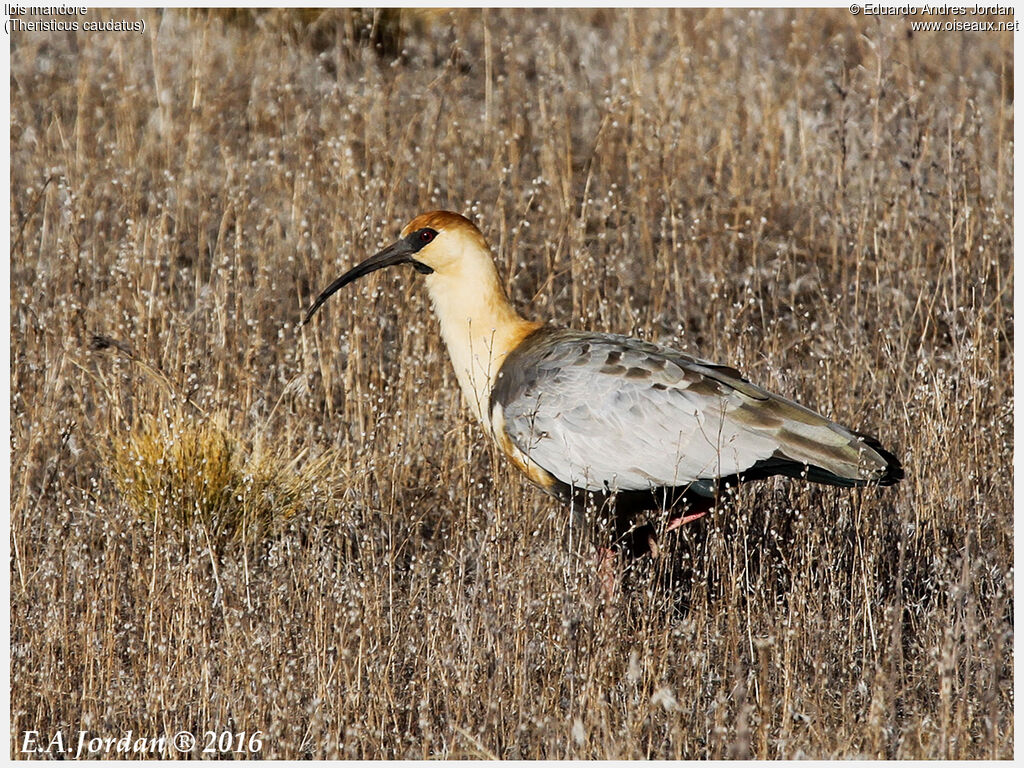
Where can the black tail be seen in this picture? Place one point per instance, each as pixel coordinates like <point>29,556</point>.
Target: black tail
<point>782,465</point>
<point>893,469</point>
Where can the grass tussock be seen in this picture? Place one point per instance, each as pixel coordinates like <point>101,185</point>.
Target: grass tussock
<point>821,200</point>
<point>196,472</point>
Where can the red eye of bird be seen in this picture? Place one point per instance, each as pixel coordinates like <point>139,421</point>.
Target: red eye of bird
<point>426,235</point>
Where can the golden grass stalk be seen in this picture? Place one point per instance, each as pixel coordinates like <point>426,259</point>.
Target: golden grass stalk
<point>190,471</point>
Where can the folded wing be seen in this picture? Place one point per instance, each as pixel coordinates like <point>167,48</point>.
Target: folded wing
<point>604,412</point>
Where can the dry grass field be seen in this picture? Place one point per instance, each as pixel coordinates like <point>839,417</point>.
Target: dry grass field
<point>223,522</point>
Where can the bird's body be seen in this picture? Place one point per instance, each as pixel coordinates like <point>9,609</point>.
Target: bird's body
<point>610,413</point>
<point>591,412</point>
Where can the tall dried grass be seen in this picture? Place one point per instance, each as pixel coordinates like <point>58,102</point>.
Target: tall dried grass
<point>822,200</point>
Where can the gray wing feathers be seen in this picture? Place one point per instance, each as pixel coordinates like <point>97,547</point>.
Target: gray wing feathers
<point>606,412</point>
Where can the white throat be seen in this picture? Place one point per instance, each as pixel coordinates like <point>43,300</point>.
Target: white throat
<point>479,326</point>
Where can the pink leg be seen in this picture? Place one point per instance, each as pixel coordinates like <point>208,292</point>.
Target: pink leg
<point>608,572</point>
<point>673,523</point>
<point>652,544</point>
<point>607,559</point>
<point>676,522</point>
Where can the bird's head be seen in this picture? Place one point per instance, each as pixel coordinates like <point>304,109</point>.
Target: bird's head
<point>440,244</point>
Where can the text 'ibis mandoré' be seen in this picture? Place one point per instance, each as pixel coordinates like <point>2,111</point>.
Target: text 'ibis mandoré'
<point>597,413</point>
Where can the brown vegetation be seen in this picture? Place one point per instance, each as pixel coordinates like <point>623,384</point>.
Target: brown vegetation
<point>220,521</point>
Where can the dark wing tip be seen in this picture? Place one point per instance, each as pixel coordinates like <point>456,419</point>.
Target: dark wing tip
<point>893,471</point>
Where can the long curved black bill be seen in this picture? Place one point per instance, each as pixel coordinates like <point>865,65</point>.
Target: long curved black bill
<point>399,252</point>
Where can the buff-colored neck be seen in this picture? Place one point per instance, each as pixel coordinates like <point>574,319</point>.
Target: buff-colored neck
<point>479,326</point>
